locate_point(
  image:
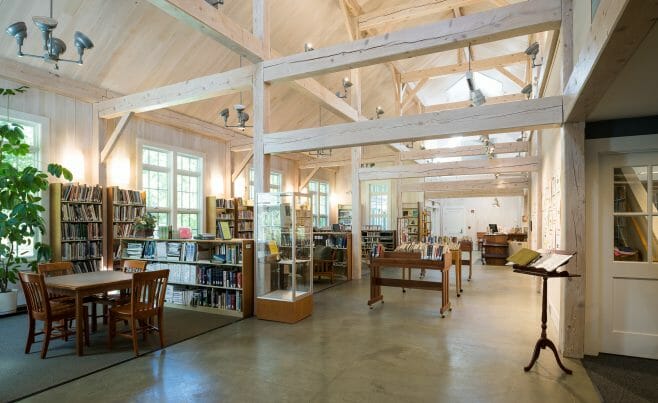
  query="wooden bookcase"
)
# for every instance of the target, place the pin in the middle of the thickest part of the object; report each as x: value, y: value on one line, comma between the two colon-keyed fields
x: 218, y: 210
x: 201, y: 283
x: 415, y: 223
x: 341, y: 242
x: 123, y: 207
x: 495, y: 249
x: 76, y: 225
x: 372, y: 235
x: 345, y: 216
x: 244, y: 220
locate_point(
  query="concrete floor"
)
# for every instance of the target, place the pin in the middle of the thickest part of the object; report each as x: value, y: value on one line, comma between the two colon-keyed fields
x: 401, y: 351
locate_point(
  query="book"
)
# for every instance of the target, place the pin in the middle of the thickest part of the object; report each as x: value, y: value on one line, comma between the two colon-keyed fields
x: 548, y: 261
x: 225, y: 230
x: 523, y: 257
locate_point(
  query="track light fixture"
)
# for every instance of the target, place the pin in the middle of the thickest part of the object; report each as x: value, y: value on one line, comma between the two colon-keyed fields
x: 308, y: 46
x: 477, y: 97
x: 379, y: 111
x: 346, y: 85
x: 54, y: 47
x: 215, y: 3
x: 243, y: 117
x: 532, y: 51
x: 527, y: 90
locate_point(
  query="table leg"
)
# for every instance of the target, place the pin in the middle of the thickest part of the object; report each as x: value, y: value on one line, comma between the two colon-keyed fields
x: 79, y: 323
x: 470, y: 264
x: 445, y: 292
x: 458, y: 264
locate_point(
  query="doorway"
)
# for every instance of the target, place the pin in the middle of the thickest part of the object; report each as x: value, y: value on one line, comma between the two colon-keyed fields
x: 629, y: 254
x: 453, y: 221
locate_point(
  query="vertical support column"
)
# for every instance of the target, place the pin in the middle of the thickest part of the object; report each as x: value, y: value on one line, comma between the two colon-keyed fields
x: 228, y: 171
x: 261, y: 95
x: 356, y: 213
x: 566, y: 40
x: 572, y: 328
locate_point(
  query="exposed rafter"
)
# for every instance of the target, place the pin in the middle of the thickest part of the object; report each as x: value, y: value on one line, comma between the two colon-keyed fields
x: 241, y: 166
x: 518, y: 183
x: 340, y: 161
x: 511, y: 116
x: 497, y: 24
x: 476, y: 65
x: 107, y: 149
x: 463, y: 151
x: 485, y: 192
x: 465, y: 104
x: 410, y: 10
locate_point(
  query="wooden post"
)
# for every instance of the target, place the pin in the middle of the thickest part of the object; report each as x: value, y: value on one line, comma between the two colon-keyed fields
x: 228, y: 183
x: 356, y: 213
x: 261, y: 95
x: 572, y: 317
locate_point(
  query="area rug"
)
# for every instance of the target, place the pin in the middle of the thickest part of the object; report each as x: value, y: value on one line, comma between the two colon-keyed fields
x: 22, y: 374
x: 621, y: 379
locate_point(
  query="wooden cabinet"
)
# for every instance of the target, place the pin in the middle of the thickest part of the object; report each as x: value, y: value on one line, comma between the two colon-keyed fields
x: 495, y: 249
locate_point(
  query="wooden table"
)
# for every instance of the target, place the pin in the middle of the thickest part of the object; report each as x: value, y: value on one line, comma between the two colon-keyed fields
x: 409, y: 259
x: 81, y: 285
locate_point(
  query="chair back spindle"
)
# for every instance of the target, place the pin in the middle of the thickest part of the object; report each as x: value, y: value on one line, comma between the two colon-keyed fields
x: 36, y: 295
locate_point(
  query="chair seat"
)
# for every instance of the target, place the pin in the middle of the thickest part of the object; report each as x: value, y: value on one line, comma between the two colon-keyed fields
x: 126, y: 309
x: 61, y: 309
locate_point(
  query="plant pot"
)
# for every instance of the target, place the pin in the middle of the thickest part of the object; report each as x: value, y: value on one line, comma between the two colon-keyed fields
x: 144, y: 233
x: 8, y: 302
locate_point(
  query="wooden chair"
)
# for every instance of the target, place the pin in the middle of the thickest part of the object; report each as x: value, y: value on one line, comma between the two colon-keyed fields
x: 41, y: 307
x: 325, y: 267
x: 147, y: 294
x: 111, y: 300
x: 57, y: 269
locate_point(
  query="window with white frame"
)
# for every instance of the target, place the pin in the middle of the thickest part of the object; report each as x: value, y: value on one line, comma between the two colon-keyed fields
x: 319, y: 191
x: 378, y: 204
x: 276, y: 183
x: 32, y: 136
x: 172, y: 182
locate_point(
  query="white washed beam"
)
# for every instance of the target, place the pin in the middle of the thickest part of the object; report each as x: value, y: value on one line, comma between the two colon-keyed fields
x: 463, y: 151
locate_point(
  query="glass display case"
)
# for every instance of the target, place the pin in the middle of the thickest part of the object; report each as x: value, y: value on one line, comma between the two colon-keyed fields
x: 284, y: 278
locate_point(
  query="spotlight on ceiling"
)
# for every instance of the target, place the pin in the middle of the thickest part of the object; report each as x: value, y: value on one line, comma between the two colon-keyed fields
x: 54, y: 47
x: 379, y: 111
x: 527, y: 91
x: 532, y: 51
x: 346, y: 85
x: 243, y: 117
x: 215, y: 3
x: 477, y: 97
x: 308, y: 46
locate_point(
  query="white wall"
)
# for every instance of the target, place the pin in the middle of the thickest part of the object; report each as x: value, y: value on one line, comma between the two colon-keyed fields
x: 479, y: 212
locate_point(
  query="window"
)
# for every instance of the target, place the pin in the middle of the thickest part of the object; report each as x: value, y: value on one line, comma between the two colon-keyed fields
x: 276, y: 181
x: 319, y: 191
x: 379, y: 204
x: 172, y: 182
x: 31, y: 131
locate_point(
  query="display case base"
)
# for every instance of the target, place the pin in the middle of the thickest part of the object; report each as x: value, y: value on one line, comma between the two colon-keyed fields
x: 284, y: 311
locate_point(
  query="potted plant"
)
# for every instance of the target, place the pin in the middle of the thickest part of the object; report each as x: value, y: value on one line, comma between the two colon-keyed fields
x: 145, y: 225
x: 20, y: 207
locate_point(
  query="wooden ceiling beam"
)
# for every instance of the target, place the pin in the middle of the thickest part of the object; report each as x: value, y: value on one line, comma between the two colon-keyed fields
x: 345, y: 161
x: 462, y: 67
x: 471, y: 167
x: 466, y: 185
x: 241, y: 166
x: 205, y: 18
x: 486, y: 192
x: 413, y: 94
x: 197, y: 89
x: 465, y: 104
x: 464, y: 151
x: 618, y: 28
x: 107, y: 148
x: 511, y: 116
x: 409, y: 11
x: 488, y: 26
x: 520, y: 83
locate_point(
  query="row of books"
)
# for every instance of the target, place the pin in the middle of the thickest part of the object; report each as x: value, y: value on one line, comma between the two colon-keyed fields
x: 82, y: 193
x: 180, y: 252
x: 123, y: 230
x: 85, y: 266
x: 73, y: 232
x: 245, y: 225
x: 81, y: 212
x: 124, y: 196
x: 196, y: 275
x: 128, y: 213
x: 224, y: 203
x: 224, y: 217
x: 246, y: 215
x: 335, y: 241
x: 81, y: 250
x: 207, y: 297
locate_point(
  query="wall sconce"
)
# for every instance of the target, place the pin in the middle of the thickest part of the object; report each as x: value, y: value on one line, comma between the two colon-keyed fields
x: 532, y: 51
x: 346, y: 85
x: 308, y: 46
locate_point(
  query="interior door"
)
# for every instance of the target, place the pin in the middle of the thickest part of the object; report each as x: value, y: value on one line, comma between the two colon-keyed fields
x: 453, y: 221
x: 629, y: 248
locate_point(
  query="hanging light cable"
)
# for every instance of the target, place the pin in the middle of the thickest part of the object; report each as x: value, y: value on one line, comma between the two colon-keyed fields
x: 477, y: 98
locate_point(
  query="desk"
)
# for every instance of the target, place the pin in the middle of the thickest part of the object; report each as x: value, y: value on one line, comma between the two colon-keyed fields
x: 409, y: 259
x: 81, y: 285
x: 544, y: 341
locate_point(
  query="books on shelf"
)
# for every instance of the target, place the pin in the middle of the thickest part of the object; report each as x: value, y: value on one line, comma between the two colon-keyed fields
x: 224, y: 204
x: 81, y: 250
x: 548, y: 261
x: 81, y: 212
x: 124, y: 196
x: 74, y: 192
x: 81, y: 231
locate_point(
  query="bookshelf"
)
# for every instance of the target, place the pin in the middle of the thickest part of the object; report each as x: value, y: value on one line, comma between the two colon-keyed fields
x: 206, y: 275
x: 124, y: 206
x: 415, y: 223
x: 345, y: 216
x: 372, y: 235
x: 341, y: 242
x: 219, y: 210
x: 244, y: 220
x: 76, y: 227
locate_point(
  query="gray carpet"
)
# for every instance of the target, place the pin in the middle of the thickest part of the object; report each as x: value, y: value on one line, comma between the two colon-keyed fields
x: 621, y: 379
x: 24, y: 374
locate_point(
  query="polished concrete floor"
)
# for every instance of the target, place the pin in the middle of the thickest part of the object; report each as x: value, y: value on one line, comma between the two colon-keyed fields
x: 401, y: 351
